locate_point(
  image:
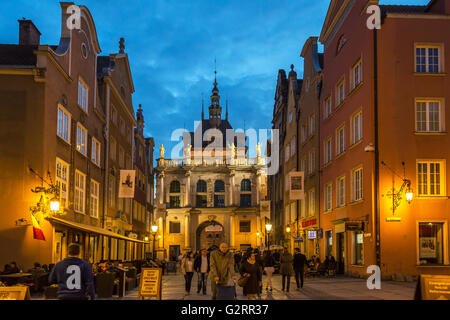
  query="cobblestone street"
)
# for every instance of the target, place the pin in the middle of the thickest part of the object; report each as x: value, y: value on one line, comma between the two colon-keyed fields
x: 339, y: 288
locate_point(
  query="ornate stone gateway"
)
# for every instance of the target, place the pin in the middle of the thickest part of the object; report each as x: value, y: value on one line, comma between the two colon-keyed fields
x: 209, y: 233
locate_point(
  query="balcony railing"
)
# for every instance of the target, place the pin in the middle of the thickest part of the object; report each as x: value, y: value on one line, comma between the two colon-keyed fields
x: 214, y: 162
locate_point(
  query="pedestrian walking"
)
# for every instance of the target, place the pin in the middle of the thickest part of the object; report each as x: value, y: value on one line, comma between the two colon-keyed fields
x: 222, y: 268
x: 299, y: 267
x: 269, y: 268
x: 237, y: 261
x: 187, y: 269
x: 201, y: 266
x: 73, y: 276
x: 252, y: 272
x: 259, y: 262
x: 286, y: 269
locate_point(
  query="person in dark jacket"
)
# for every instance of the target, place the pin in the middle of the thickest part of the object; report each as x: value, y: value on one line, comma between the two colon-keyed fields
x: 259, y: 262
x: 73, y: 276
x: 237, y: 261
x: 252, y: 271
x: 286, y: 269
x: 269, y: 268
x: 299, y: 267
x: 201, y: 266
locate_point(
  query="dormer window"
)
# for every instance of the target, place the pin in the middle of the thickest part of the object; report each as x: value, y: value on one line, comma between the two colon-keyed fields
x: 341, y: 43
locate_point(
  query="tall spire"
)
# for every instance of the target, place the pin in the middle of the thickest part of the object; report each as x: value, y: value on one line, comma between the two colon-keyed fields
x: 215, y: 110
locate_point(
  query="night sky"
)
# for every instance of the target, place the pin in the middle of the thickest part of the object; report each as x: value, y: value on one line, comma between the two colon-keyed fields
x: 172, y: 45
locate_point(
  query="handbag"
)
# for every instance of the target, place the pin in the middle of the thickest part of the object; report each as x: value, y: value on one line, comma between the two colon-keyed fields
x: 242, y: 281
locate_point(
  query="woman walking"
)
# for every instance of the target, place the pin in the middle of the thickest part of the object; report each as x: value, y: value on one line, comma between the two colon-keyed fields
x: 249, y: 269
x: 187, y: 269
x: 269, y: 268
x: 286, y: 269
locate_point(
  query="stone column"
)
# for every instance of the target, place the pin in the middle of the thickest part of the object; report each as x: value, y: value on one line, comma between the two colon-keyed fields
x: 231, y: 191
x: 232, y: 231
x: 160, y: 242
x: 187, y: 233
x: 161, y: 188
x: 187, y: 195
x: 258, y: 187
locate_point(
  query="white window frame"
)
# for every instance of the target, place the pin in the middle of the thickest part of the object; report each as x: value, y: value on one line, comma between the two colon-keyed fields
x: 340, y: 94
x: 83, y: 95
x: 357, y: 191
x: 356, y: 127
x: 442, y: 182
x: 356, y: 78
x: 312, y: 124
x: 340, y: 192
x: 327, y: 107
x: 311, y: 202
x: 112, y: 148
x: 445, y: 243
x: 427, y: 65
x: 80, y: 192
x: 328, y: 197
x: 82, y: 139
x: 95, y: 151
x: 328, y: 150
x: 62, y: 128
x: 340, y: 140
x: 441, y: 112
x: 61, y: 179
x: 112, y: 191
x: 94, y: 200
x: 312, y: 162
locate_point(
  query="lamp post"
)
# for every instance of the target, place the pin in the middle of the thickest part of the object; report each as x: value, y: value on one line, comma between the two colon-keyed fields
x: 268, y: 228
x: 154, y: 231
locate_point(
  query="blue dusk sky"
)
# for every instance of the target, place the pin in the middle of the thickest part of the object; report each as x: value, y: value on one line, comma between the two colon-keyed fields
x: 172, y: 44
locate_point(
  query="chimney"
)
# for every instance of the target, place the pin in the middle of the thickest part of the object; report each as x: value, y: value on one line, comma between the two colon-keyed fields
x: 28, y: 33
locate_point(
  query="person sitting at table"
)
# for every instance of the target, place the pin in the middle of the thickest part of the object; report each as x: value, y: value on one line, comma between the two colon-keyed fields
x: 11, y: 268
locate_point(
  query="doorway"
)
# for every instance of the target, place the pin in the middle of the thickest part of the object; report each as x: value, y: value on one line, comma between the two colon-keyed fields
x: 209, y: 234
x: 174, y: 252
x: 340, y: 252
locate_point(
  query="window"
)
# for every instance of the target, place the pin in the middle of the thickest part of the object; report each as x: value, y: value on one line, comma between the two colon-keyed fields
x: 431, y: 243
x: 328, y: 197
x: 83, y: 95
x: 63, y: 126
x: 428, y: 59
x: 219, y: 201
x: 357, y: 184
x: 312, y: 162
x: 293, y: 143
x: 358, y: 248
x: 113, y: 115
x: 246, y: 185
x: 246, y: 200
x: 80, y: 188
x: 81, y: 139
x: 174, y: 227
x: 428, y: 116
x: 312, y: 123
x: 290, y: 117
x: 329, y: 243
x: 327, y: 111
x: 287, y: 153
x: 340, y: 92
x: 95, y: 152
x: 303, y: 164
x: 340, y: 199
x: 356, y: 74
x: 94, y: 198
x: 121, y: 157
x: 201, y: 186
x: 356, y: 127
x: 312, y: 204
x: 304, y: 133
x: 62, y: 181
x: 112, y: 191
x: 219, y: 186
x: 175, y: 187
x: 202, y: 201
x: 129, y: 135
x: 112, y: 149
x: 122, y: 126
x: 431, y: 178
x: 340, y: 140
x: 175, y: 202
x: 244, y: 226
x: 327, y: 145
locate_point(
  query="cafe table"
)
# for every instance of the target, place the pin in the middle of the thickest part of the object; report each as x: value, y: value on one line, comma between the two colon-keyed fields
x: 16, y: 275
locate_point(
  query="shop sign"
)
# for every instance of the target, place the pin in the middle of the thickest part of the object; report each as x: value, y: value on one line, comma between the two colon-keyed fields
x: 433, y: 287
x: 308, y: 223
x: 339, y: 228
x: 312, y: 234
x: 150, y: 284
x: 15, y: 293
x: 354, y: 226
x: 296, y: 184
x: 298, y: 239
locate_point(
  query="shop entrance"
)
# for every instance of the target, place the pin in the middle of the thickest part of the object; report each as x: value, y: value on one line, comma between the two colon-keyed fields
x: 209, y: 233
x: 340, y: 252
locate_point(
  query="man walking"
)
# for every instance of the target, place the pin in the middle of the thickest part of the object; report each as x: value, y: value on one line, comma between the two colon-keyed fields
x: 299, y: 267
x: 222, y: 268
x: 201, y: 266
x: 73, y: 276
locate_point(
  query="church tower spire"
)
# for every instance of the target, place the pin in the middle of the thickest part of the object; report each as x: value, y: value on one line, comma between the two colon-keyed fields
x: 215, y: 110
x: 140, y: 120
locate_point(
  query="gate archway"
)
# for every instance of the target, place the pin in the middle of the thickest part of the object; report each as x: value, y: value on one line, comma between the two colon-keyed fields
x: 209, y: 234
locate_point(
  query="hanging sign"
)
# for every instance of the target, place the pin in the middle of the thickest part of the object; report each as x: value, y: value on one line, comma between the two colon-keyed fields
x: 126, y: 184
x: 150, y: 283
x: 296, y: 185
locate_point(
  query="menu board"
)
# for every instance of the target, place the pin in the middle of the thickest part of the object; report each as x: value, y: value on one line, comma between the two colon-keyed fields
x: 433, y: 287
x: 14, y: 293
x: 150, y: 284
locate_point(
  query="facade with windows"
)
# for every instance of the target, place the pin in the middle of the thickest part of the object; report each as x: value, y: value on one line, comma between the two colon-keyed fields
x: 360, y: 224
x: 203, y: 199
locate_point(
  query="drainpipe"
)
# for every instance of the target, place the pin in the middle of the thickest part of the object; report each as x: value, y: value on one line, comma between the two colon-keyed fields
x: 106, y: 162
x: 377, y: 155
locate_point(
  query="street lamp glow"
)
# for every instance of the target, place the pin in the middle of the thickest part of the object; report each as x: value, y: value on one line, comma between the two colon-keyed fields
x: 257, y: 234
x: 154, y: 228
x: 268, y: 227
x: 409, y: 195
x: 54, y: 205
x: 146, y: 238
x: 288, y: 229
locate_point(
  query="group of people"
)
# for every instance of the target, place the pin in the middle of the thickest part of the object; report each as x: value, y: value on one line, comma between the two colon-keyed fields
x: 221, y: 267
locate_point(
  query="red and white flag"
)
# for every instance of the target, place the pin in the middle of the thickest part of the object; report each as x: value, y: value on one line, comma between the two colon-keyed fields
x: 38, y: 234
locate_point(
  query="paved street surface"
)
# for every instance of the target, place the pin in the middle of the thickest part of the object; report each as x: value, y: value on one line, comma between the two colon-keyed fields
x: 339, y: 288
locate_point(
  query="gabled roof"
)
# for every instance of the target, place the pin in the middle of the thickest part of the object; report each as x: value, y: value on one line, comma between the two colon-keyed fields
x: 206, y: 125
x: 18, y: 55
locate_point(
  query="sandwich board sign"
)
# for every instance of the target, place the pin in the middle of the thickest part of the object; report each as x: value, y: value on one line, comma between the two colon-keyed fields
x: 15, y: 293
x: 150, y: 284
x: 433, y: 287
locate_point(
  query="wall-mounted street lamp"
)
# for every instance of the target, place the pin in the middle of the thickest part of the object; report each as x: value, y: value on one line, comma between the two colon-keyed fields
x: 268, y: 229
x: 154, y: 231
x: 49, y: 201
x: 288, y: 229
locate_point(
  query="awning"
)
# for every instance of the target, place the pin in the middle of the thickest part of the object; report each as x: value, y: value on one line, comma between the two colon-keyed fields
x: 92, y: 229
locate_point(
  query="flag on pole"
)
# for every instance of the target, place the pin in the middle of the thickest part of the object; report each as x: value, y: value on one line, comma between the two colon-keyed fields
x: 38, y: 234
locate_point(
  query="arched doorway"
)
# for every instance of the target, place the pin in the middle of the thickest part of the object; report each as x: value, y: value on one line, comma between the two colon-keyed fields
x: 209, y: 234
